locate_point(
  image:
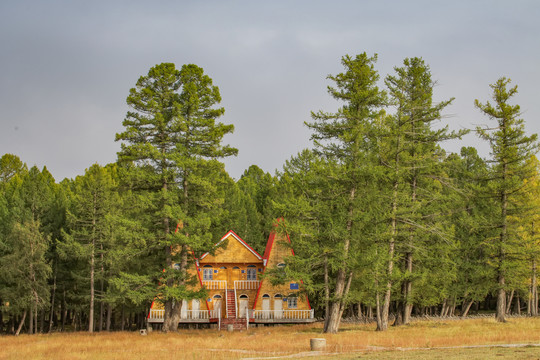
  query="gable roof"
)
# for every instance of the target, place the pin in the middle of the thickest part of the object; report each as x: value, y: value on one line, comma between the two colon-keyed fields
x: 239, y: 239
x: 271, y: 240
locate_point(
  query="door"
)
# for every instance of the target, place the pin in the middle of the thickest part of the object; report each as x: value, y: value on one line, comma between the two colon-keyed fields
x: 242, y: 306
x: 195, y: 305
x: 217, y: 306
x: 278, y: 307
x: 266, y: 307
x: 184, y: 309
x: 235, y: 274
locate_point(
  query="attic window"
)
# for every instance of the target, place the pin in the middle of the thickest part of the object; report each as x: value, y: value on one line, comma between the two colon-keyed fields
x: 281, y: 265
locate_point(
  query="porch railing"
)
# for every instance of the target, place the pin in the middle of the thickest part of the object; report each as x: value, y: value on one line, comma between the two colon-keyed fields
x: 215, y: 284
x: 246, y: 284
x: 282, y: 314
x: 186, y: 314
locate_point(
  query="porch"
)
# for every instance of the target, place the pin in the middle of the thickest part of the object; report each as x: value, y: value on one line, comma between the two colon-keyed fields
x: 186, y: 316
x: 281, y: 316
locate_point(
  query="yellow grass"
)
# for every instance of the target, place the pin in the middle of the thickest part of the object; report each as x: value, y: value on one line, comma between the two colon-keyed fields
x: 407, y: 342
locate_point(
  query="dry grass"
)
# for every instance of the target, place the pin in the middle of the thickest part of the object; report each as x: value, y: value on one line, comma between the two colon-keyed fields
x: 351, y: 342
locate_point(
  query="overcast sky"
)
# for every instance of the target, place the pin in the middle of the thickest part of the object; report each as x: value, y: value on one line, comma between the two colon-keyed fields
x: 67, y: 66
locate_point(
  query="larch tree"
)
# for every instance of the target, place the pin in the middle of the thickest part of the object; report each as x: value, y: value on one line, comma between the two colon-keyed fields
x: 346, y: 137
x: 92, y: 207
x: 174, y: 140
x: 414, y: 160
x: 511, y: 148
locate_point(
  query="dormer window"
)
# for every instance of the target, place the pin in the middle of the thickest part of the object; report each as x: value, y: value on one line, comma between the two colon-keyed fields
x: 281, y: 265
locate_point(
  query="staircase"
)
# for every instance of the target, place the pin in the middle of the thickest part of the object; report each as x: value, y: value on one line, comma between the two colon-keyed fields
x: 231, y: 304
x: 238, y: 324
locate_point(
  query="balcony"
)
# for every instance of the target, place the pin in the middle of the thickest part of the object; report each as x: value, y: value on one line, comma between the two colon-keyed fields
x: 215, y: 284
x: 246, y: 284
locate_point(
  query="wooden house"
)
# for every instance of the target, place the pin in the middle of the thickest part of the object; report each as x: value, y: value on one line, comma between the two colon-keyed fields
x: 236, y: 293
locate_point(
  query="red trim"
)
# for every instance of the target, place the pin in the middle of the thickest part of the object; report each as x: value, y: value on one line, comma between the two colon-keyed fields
x: 258, y: 291
x: 268, y: 250
x: 151, y: 306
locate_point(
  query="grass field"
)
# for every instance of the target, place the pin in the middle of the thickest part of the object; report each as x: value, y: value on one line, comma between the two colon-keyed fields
x: 449, y: 339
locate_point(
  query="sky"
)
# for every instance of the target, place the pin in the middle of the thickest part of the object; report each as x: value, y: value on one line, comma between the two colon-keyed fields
x: 67, y: 66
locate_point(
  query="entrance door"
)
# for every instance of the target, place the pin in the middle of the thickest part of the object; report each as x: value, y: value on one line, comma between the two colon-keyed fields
x: 266, y: 306
x: 242, y: 306
x: 195, y: 305
x: 235, y: 274
x: 184, y: 309
x: 217, y: 306
x: 278, y: 307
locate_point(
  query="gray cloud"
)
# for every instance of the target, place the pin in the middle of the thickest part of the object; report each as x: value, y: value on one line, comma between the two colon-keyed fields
x: 67, y: 66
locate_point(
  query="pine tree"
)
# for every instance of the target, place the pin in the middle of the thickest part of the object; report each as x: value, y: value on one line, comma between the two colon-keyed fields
x: 173, y: 140
x: 510, y: 150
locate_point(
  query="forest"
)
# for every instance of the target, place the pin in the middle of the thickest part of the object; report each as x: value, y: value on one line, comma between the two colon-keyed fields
x: 385, y: 223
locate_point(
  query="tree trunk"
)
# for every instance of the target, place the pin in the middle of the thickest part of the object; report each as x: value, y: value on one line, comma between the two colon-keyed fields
x: 31, y: 319
x: 342, y: 284
x: 501, y: 293
x: 382, y: 314
x: 53, y: 296
x: 92, y: 268
x: 509, y: 302
x: 21, y: 324
x: 532, y: 304
x: 326, y: 294
x: 465, y: 310
x: 501, y: 301
x: 109, y: 314
x: 101, y: 303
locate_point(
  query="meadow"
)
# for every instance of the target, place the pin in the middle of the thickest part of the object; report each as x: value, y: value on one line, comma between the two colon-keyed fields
x: 519, y: 338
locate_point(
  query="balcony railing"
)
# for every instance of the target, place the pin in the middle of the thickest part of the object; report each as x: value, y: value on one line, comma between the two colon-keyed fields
x: 281, y: 314
x: 246, y: 284
x: 215, y: 284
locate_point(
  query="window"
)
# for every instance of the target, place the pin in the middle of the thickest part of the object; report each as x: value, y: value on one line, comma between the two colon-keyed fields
x: 208, y: 273
x: 266, y: 296
x: 292, y: 302
x: 281, y: 265
x: 251, y: 272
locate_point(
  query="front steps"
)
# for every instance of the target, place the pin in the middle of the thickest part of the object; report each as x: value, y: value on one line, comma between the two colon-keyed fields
x: 237, y: 324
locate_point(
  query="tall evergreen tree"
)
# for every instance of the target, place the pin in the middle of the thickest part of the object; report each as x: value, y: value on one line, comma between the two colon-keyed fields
x: 511, y: 148
x: 173, y: 139
x: 414, y: 160
x: 346, y: 137
x: 92, y: 208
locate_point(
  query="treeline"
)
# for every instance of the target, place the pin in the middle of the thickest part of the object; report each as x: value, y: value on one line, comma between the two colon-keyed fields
x: 384, y: 222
